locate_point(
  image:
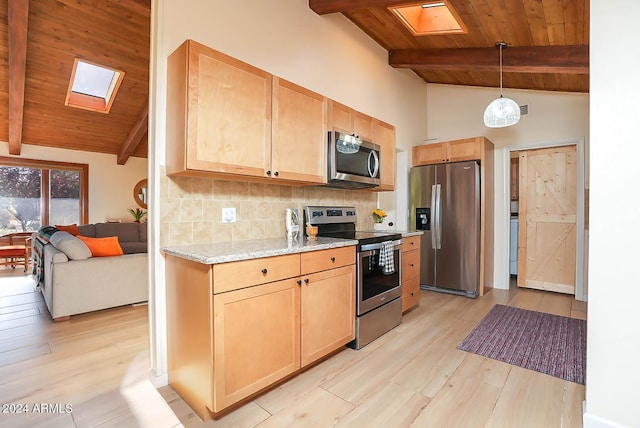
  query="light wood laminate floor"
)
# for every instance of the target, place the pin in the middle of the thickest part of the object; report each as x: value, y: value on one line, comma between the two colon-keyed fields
x: 412, y: 377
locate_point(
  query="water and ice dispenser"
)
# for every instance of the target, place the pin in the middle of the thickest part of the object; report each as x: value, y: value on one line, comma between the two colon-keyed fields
x: 423, y: 218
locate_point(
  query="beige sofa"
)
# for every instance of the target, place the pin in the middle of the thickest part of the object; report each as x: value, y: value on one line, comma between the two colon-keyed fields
x: 73, y: 285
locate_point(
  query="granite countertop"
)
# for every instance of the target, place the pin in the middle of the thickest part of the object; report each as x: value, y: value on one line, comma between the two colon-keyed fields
x: 224, y: 252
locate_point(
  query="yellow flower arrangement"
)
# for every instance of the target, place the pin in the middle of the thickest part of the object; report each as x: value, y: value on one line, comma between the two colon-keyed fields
x: 378, y: 215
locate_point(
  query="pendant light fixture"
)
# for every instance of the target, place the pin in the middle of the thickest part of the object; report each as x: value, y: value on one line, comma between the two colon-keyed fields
x: 501, y: 112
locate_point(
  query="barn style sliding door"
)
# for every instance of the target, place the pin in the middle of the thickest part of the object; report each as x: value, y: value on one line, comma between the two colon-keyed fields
x: 547, y: 233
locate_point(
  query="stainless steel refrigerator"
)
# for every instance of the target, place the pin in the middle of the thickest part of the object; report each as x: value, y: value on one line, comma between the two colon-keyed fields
x: 445, y: 205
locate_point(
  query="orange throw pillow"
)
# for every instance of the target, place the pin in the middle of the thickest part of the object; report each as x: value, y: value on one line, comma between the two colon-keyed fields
x: 72, y: 229
x: 103, y: 247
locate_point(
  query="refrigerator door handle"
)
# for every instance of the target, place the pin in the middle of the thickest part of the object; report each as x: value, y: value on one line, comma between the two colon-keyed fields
x: 439, y: 216
x: 434, y: 240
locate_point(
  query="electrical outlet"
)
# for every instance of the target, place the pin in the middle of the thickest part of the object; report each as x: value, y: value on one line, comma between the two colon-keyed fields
x: 228, y: 215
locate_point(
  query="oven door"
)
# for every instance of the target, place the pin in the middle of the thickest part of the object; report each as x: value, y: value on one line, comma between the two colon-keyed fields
x: 375, y: 288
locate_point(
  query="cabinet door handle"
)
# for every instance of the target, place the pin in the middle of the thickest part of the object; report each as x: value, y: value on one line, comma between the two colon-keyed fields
x: 269, y: 172
x: 264, y: 271
x: 333, y: 259
x: 275, y: 173
x: 411, y: 265
x: 299, y: 282
x: 306, y: 281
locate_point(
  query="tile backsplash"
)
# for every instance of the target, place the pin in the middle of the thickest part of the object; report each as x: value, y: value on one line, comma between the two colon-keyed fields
x: 191, y: 208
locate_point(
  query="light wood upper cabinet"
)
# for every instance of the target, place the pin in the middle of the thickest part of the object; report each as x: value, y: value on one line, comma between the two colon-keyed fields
x: 349, y: 121
x: 384, y: 135
x: 227, y: 119
x: 448, y: 151
x: 218, y: 114
x: 298, y: 143
x: 429, y: 154
x: 461, y: 150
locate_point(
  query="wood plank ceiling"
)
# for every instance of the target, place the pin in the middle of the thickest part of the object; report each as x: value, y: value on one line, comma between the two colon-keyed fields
x: 548, y: 42
x: 548, y: 50
x: 113, y: 33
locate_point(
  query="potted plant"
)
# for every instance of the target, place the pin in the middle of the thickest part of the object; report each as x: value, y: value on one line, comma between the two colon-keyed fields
x: 137, y: 214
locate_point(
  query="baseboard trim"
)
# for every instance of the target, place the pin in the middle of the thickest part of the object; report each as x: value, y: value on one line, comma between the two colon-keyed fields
x: 590, y: 420
x: 158, y: 380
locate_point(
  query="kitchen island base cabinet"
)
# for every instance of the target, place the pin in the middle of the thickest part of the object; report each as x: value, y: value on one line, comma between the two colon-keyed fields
x: 225, y: 347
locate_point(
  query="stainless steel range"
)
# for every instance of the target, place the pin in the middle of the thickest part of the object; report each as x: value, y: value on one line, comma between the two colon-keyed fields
x: 378, y: 289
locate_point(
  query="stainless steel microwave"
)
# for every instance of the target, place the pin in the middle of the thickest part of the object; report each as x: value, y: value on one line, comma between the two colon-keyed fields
x: 352, y: 163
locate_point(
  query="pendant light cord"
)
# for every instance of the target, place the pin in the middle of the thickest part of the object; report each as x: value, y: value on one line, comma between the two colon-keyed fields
x: 501, y: 70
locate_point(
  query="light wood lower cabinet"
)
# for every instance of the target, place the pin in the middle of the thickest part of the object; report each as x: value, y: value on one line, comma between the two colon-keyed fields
x: 328, y: 312
x: 256, y: 333
x: 228, y: 340
x: 410, y: 272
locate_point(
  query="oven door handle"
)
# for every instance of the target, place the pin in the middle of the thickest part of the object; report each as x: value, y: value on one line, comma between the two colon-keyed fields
x: 397, y: 244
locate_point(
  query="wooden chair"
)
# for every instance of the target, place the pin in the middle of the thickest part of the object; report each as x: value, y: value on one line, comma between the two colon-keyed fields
x: 15, y: 250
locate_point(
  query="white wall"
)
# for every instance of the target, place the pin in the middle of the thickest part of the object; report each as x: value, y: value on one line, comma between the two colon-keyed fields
x: 110, y: 185
x: 456, y: 112
x: 326, y: 54
x: 613, y: 338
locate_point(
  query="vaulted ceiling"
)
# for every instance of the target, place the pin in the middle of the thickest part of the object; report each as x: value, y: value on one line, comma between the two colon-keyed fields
x: 38, y: 45
x: 548, y: 42
x: 39, y: 41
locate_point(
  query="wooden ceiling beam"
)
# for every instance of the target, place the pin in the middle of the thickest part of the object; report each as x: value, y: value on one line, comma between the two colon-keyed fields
x: 323, y: 7
x: 530, y: 59
x: 135, y: 136
x: 18, y: 19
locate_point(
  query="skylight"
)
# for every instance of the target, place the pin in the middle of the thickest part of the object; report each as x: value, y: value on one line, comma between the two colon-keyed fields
x: 93, y: 87
x: 429, y: 18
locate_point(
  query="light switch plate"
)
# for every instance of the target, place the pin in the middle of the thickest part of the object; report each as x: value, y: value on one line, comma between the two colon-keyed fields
x: 228, y: 215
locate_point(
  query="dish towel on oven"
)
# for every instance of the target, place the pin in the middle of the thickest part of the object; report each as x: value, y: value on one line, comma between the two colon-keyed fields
x: 386, y: 258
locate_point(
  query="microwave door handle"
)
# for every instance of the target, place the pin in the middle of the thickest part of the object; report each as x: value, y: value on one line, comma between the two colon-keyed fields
x: 376, y: 163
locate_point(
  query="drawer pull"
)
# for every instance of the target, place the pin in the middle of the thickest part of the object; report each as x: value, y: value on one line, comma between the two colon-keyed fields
x: 333, y: 259
x: 264, y: 271
x: 412, y: 265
